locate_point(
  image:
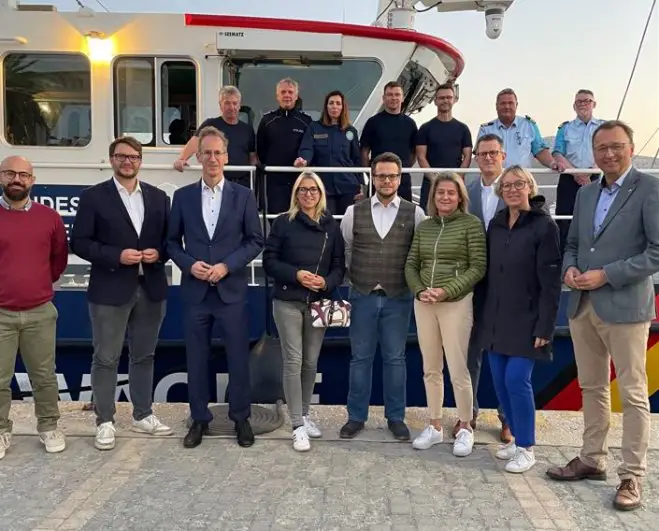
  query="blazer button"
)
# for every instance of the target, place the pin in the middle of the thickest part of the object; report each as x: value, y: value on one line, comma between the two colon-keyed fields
x: 592, y: 249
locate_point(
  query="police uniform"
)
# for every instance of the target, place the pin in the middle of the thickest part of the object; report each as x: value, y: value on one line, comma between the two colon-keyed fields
x: 522, y: 141
x: 277, y: 142
x: 574, y: 140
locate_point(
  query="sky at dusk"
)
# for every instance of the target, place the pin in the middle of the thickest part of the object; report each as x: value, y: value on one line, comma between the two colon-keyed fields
x: 548, y: 49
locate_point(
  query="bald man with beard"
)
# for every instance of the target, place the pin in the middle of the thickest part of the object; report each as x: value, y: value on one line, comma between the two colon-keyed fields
x: 33, y: 255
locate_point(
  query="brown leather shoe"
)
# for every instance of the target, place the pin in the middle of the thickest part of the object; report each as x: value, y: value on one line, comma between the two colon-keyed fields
x: 576, y: 470
x: 505, y: 434
x: 628, y: 496
x: 456, y: 428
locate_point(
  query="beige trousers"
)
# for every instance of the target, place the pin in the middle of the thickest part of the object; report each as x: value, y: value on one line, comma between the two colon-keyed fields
x: 444, y: 328
x: 595, y: 343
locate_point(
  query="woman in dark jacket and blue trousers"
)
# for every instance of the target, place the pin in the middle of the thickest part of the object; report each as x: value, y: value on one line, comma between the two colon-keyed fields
x: 305, y: 255
x: 333, y: 141
x: 523, y: 288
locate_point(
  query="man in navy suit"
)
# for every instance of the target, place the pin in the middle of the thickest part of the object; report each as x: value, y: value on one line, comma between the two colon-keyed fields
x: 219, y: 222
x: 121, y: 229
x: 484, y: 203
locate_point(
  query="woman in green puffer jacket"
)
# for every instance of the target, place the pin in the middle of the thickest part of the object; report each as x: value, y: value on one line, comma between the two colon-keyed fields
x: 446, y: 260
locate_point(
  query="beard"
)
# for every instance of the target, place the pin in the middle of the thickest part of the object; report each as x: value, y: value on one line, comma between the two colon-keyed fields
x: 15, y: 193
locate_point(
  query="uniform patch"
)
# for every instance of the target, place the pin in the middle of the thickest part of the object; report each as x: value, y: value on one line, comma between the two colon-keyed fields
x: 350, y: 135
x: 320, y: 136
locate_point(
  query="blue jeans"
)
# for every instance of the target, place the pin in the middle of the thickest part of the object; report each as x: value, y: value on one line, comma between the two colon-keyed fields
x: 375, y: 319
x: 512, y: 382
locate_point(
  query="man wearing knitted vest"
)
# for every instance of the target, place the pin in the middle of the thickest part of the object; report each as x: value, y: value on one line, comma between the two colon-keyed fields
x: 33, y: 255
x: 378, y: 233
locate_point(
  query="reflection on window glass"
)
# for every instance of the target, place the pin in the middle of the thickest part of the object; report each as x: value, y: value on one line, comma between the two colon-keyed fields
x: 47, y: 99
x: 178, y: 94
x: 134, y: 98
x: 257, y: 82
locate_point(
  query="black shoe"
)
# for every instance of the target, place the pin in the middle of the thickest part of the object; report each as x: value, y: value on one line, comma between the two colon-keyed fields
x: 350, y: 429
x: 195, y: 434
x: 244, y: 433
x: 399, y: 429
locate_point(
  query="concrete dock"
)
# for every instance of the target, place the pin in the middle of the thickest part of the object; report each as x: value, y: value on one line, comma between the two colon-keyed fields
x: 372, y: 482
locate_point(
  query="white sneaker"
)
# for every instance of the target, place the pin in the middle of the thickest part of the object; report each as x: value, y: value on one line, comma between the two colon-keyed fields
x: 105, y: 436
x: 427, y: 438
x: 312, y: 429
x: 152, y: 426
x: 522, y: 461
x: 301, y: 440
x: 53, y: 440
x: 464, y: 443
x: 506, y: 451
x: 5, y: 443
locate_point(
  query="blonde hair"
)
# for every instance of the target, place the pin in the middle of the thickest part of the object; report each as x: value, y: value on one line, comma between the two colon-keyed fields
x: 229, y: 90
x: 294, y: 209
x: 463, y: 196
x: 212, y: 131
x: 519, y: 172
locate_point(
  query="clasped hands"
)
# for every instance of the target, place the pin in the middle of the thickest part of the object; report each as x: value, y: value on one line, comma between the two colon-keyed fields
x: 432, y: 295
x: 133, y: 256
x: 311, y: 281
x: 208, y: 273
x: 589, y: 280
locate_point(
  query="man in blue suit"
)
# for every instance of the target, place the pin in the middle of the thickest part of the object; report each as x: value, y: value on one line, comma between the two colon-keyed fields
x: 219, y: 222
x: 484, y: 203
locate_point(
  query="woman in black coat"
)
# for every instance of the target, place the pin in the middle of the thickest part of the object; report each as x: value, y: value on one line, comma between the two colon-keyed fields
x: 305, y: 255
x: 523, y: 288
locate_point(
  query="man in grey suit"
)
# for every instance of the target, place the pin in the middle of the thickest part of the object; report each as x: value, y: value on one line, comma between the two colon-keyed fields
x: 484, y: 203
x: 611, y: 254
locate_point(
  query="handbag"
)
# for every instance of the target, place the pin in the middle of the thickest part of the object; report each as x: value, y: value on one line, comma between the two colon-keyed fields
x: 328, y: 313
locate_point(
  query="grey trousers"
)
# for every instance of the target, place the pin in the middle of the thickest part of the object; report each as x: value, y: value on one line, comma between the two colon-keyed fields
x: 300, y: 345
x: 474, y: 363
x: 140, y: 322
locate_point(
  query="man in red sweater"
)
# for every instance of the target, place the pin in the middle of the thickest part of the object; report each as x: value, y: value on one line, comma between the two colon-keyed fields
x: 33, y: 255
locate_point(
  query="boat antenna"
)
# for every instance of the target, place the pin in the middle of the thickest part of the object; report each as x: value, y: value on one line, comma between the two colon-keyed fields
x: 102, y: 5
x: 638, y: 53
x: 646, y: 144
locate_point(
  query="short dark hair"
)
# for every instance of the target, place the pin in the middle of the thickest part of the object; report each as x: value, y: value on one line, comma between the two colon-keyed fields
x: 129, y: 141
x: 488, y: 138
x: 506, y: 91
x: 392, y: 84
x: 387, y: 156
x: 612, y: 124
x: 585, y: 91
x: 446, y: 86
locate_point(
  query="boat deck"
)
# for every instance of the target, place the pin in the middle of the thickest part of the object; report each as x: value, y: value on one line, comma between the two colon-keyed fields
x: 372, y: 482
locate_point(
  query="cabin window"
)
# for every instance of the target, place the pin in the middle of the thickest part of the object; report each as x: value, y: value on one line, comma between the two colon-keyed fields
x: 47, y: 99
x: 356, y: 78
x: 155, y: 100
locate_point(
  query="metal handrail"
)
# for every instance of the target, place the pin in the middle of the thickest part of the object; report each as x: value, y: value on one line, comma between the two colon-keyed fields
x: 291, y: 169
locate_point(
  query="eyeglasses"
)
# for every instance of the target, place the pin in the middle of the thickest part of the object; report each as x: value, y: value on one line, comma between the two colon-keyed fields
x: 584, y: 102
x: 122, y: 157
x: 387, y: 176
x: 517, y: 185
x: 616, y: 149
x: 211, y: 154
x: 11, y: 175
x: 313, y: 190
x: 485, y: 154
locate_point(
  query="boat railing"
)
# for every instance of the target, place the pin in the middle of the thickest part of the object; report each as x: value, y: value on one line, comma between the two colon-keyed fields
x: 256, y: 264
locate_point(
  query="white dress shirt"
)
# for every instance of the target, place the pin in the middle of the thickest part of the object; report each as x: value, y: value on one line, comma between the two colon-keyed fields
x: 211, y: 202
x: 489, y: 201
x: 134, y: 203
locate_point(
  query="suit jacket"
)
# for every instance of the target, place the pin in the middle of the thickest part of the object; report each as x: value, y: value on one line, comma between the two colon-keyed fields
x: 102, y: 230
x: 476, y: 202
x: 626, y: 247
x: 237, y: 240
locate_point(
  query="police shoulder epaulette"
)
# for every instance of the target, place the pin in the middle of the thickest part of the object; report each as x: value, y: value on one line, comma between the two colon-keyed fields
x: 487, y: 124
x: 564, y: 123
x: 529, y: 118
